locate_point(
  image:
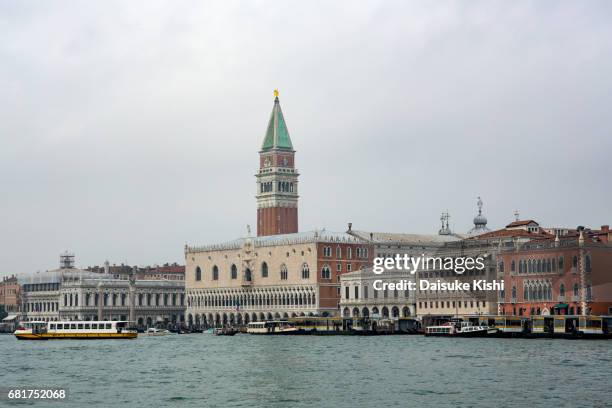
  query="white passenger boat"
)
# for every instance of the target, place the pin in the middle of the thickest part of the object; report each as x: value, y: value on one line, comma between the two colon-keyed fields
x: 459, y: 329
x: 75, y: 330
x: 276, y: 327
x: 153, y: 331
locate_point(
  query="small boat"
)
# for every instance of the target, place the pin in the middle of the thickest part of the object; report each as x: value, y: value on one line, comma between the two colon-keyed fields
x: 153, y: 331
x: 85, y: 330
x: 225, y: 331
x: 458, y: 328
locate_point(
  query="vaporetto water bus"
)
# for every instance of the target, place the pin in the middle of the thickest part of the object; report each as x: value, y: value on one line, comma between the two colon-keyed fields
x: 459, y: 328
x: 280, y: 327
x: 80, y: 330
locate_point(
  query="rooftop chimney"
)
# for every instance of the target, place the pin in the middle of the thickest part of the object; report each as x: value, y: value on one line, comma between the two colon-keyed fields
x: 350, y: 226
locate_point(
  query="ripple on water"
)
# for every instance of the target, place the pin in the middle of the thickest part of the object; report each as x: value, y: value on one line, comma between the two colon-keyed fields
x: 201, y: 370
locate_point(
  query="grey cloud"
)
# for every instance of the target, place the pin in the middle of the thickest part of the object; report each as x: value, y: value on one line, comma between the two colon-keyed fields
x: 129, y: 129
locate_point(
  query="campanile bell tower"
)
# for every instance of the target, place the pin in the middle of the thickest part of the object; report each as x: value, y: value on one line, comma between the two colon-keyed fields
x: 277, y: 180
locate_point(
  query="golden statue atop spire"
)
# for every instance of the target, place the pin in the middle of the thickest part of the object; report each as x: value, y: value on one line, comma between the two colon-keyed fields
x: 276, y: 93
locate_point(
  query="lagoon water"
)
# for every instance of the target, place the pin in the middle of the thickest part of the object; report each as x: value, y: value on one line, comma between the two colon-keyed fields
x: 202, y: 370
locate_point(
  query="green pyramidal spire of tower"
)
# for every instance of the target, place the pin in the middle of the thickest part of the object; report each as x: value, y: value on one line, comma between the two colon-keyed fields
x: 277, y: 135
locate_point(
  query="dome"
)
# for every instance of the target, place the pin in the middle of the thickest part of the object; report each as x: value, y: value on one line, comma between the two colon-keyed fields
x: 480, y: 220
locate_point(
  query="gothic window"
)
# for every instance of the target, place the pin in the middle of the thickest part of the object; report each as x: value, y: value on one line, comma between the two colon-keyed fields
x: 346, y: 292
x: 198, y: 274
x: 339, y: 267
x: 562, y: 290
x: 575, y: 261
x: 561, y: 264
x: 349, y: 253
x: 587, y: 263
x: 575, y: 289
x: 283, y: 272
x: 325, y: 272
x: 264, y: 270
x: 365, y: 292
x: 338, y: 252
x: 305, y: 271
x: 501, y: 266
x: 234, y: 272
x: 514, y: 292
x: 356, y: 292
x: 512, y: 266
x: 327, y: 251
x: 588, y: 292
x: 215, y: 273
x: 525, y: 293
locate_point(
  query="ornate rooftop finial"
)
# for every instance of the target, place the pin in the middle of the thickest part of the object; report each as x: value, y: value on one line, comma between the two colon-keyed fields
x: 444, y: 230
x: 248, y: 230
x: 480, y: 221
x: 275, y: 93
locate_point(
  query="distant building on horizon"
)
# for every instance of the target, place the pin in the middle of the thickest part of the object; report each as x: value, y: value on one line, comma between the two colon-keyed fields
x: 70, y: 293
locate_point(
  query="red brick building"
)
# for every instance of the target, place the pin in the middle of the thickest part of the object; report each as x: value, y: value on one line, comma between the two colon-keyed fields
x: 9, y: 294
x: 571, y: 274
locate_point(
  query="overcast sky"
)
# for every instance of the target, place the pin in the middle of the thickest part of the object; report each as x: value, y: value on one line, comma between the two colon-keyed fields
x: 130, y: 129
